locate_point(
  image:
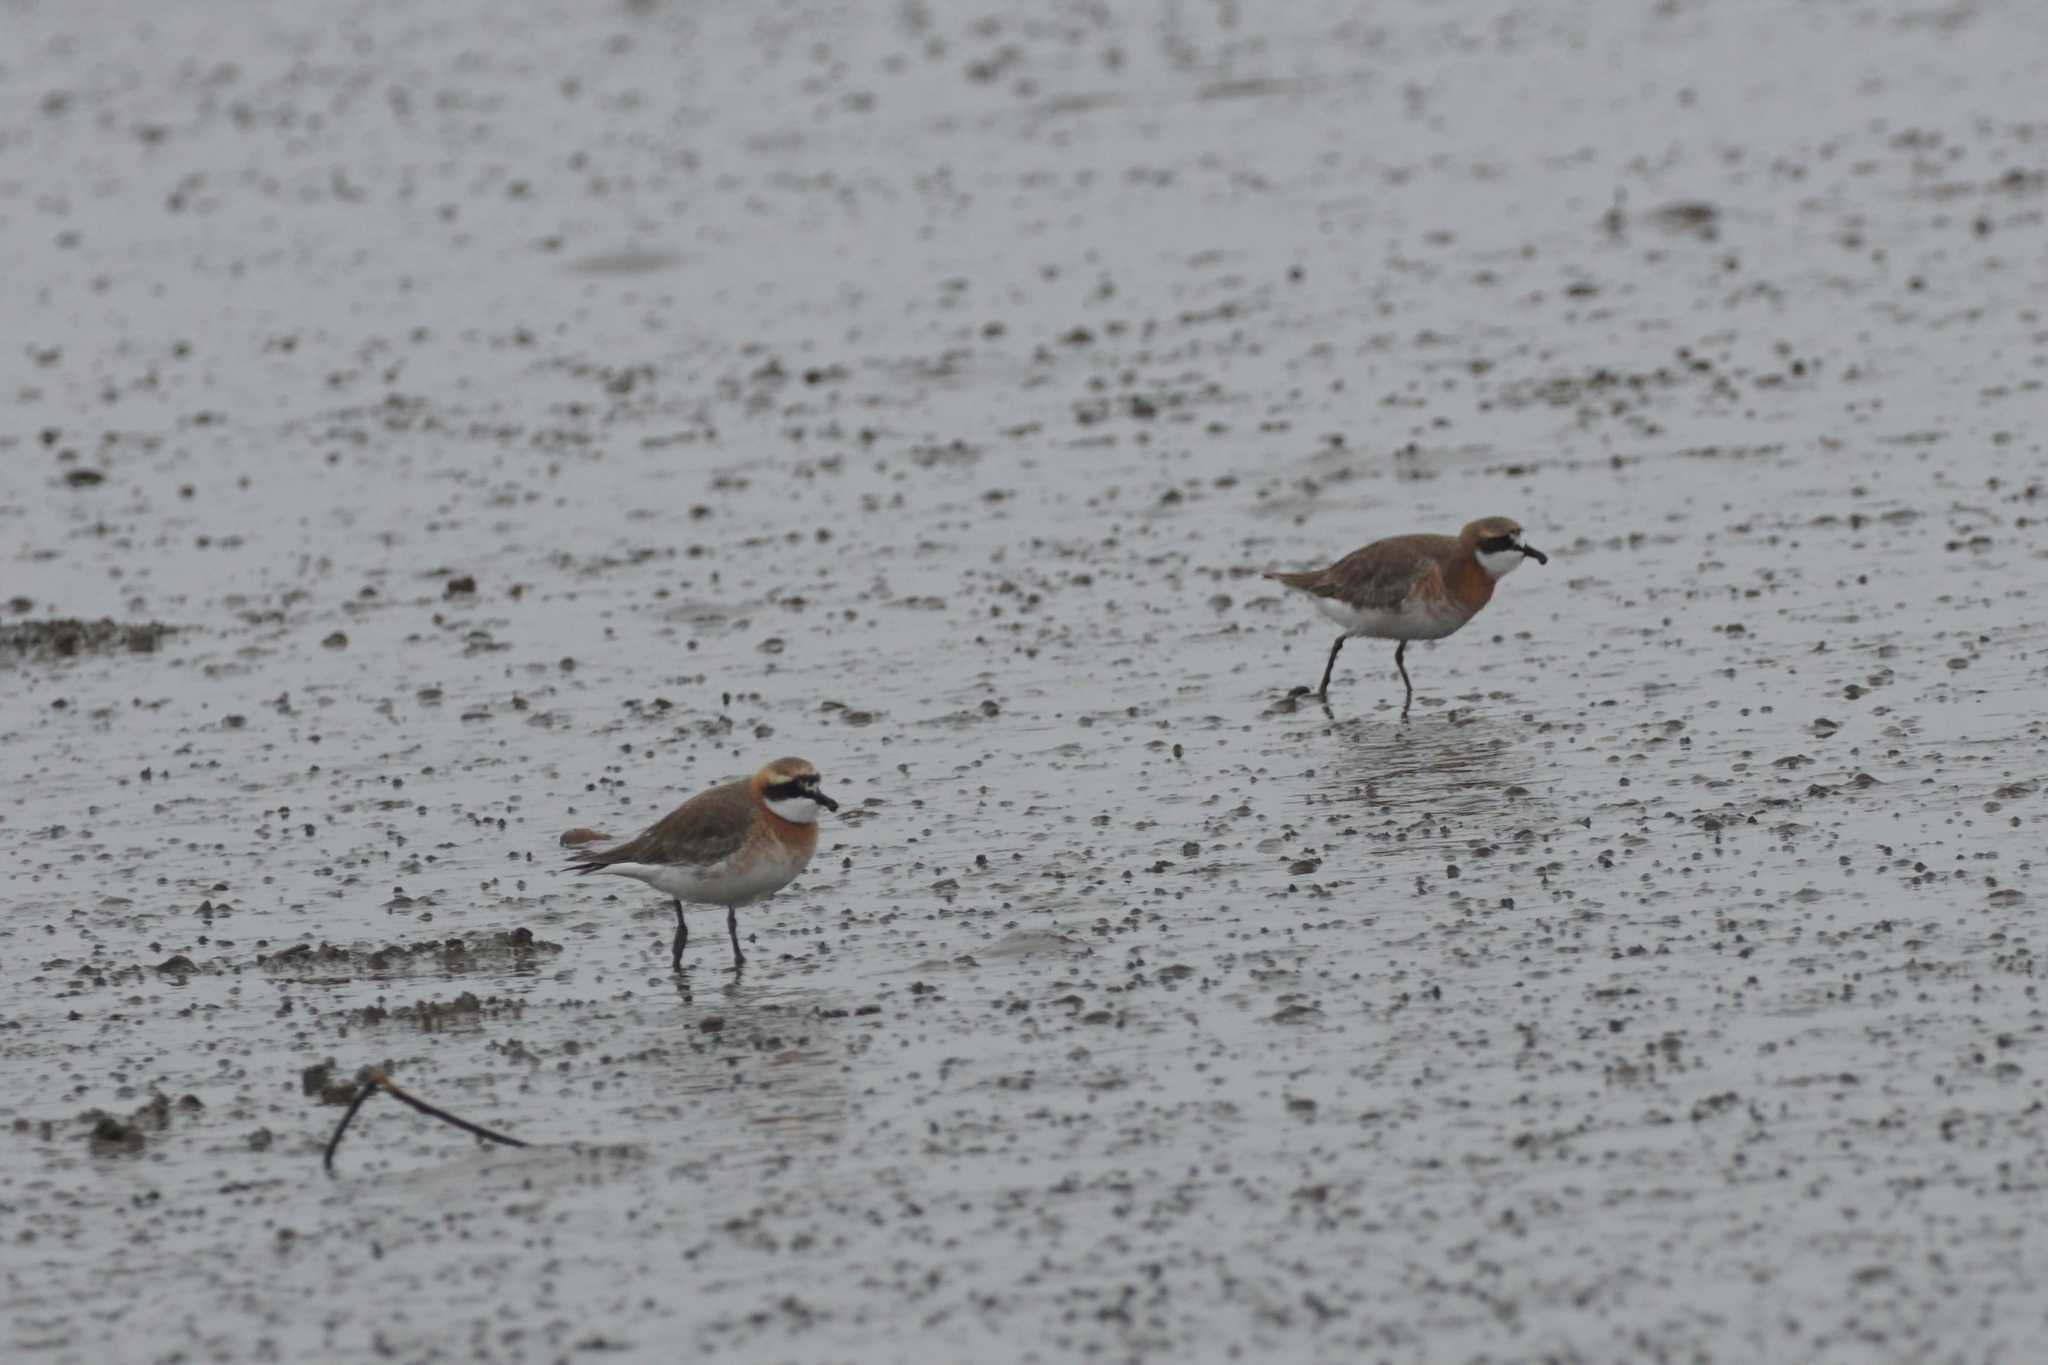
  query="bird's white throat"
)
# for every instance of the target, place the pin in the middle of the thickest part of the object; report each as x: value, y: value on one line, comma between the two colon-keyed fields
x: 798, y: 810
x: 1500, y: 563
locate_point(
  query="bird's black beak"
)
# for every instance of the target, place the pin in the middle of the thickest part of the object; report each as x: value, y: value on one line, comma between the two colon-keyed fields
x: 1529, y: 552
x: 827, y: 802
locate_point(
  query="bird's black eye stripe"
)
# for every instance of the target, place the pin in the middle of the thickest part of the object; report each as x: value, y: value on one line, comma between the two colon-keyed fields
x: 792, y: 789
x: 1494, y: 545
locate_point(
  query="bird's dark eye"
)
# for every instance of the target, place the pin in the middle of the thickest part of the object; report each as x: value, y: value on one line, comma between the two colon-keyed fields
x: 1494, y: 545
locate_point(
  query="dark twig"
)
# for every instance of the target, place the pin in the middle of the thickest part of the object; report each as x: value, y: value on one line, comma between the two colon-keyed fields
x: 363, y: 1092
x: 374, y: 1079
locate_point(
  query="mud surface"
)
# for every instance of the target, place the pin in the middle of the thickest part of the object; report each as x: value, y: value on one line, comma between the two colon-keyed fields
x: 519, y: 418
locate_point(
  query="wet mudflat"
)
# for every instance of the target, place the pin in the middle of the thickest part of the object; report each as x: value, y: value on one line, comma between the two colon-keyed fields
x: 433, y: 429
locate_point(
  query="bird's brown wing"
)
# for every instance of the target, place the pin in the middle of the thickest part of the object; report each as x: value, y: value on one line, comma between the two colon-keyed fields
x: 705, y: 829
x: 1379, y: 577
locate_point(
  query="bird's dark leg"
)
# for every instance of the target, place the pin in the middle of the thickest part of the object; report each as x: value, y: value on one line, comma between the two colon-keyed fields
x: 1399, y: 650
x: 1324, y: 690
x: 682, y: 936
x: 732, y: 926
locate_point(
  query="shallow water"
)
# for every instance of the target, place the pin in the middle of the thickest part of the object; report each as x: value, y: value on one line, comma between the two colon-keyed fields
x: 526, y: 422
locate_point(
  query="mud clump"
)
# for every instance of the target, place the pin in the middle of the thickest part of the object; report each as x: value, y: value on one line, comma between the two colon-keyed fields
x: 305, y: 954
x: 450, y: 954
x: 68, y: 637
x: 111, y: 1135
x: 318, y: 1082
x: 431, y: 1016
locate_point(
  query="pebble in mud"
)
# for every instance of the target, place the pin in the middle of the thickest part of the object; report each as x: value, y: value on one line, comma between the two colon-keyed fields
x: 1208, y: 1054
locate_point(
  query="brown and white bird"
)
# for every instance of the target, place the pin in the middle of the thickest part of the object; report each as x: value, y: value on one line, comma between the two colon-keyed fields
x: 736, y: 843
x: 1417, y: 587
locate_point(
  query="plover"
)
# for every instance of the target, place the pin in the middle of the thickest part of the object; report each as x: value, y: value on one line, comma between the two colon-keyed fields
x: 733, y: 844
x: 1419, y: 587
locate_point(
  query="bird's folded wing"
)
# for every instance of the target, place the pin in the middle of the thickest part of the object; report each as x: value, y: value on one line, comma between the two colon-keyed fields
x: 1381, y: 576
x: 708, y: 828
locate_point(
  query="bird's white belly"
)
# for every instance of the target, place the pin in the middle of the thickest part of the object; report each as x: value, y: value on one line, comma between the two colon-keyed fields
x: 715, y: 883
x: 1412, y: 620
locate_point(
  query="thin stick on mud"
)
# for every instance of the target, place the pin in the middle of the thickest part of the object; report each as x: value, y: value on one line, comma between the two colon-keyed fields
x: 374, y: 1080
